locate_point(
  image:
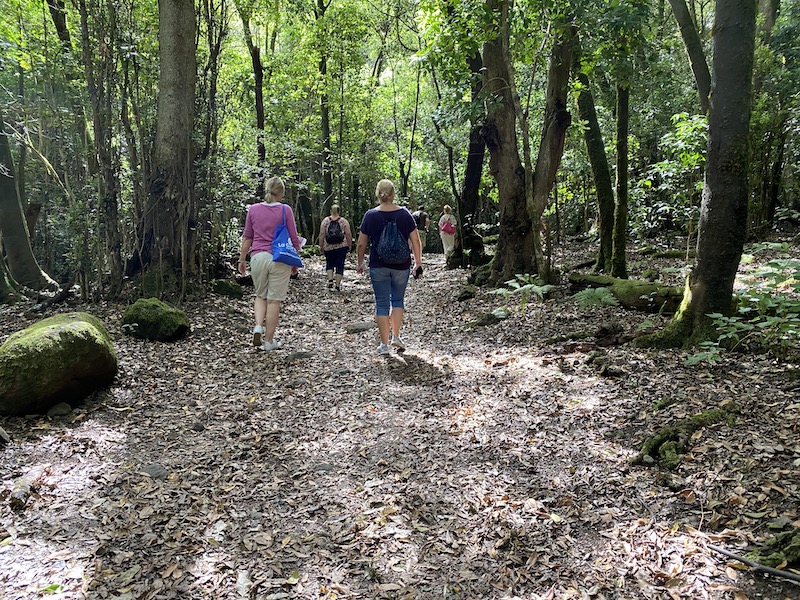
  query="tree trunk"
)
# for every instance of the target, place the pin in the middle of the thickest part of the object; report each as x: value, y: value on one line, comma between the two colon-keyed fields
x: 514, y: 253
x: 723, y: 213
x: 8, y: 292
x: 473, y: 172
x: 557, y: 120
x: 19, y: 258
x: 618, y: 264
x: 476, y: 152
x: 99, y: 87
x: 168, y: 245
x: 694, y: 49
x: 258, y: 89
x: 604, y: 191
x: 646, y: 296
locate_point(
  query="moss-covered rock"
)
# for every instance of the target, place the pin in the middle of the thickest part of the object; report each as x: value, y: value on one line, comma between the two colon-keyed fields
x: 226, y: 287
x: 152, y: 319
x: 59, y: 359
x: 467, y: 292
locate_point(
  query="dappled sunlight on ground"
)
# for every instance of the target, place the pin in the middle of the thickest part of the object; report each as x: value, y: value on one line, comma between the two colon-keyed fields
x: 484, y: 462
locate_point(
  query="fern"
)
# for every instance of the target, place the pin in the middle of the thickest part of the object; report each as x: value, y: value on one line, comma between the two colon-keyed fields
x: 600, y: 296
x: 525, y: 286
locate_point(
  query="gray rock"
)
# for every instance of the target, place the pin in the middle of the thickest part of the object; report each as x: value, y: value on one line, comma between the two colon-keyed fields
x: 156, y: 471
x: 62, y: 409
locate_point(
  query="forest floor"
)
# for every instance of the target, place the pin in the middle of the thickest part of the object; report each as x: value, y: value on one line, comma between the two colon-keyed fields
x: 484, y: 462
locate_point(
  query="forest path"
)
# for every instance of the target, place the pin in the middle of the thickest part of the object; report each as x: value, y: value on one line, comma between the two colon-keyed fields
x: 480, y: 463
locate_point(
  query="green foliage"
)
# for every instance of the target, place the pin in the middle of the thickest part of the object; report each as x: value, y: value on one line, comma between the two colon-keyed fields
x: 599, y: 296
x: 525, y: 286
x: 767, y: 318
x: 668, y: 196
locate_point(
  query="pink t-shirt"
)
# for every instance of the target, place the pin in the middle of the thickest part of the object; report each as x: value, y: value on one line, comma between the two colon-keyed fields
x: 262, y: 221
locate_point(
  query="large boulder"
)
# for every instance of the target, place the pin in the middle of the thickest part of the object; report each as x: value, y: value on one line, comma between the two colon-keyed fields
x: 152, y: 319
x: 59, y: 359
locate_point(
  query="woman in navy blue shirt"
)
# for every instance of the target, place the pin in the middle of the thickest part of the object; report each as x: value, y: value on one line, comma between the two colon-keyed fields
x: 389, y: 281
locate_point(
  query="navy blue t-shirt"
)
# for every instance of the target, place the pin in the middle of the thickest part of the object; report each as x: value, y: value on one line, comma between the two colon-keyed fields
x: 372, y: 225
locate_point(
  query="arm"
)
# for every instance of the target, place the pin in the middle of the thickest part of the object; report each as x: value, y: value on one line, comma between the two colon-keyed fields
x: 416, y: 247
x: 348, y: 235
x: 247, y: 243
x: 291, y: 226
x: 361, y: 250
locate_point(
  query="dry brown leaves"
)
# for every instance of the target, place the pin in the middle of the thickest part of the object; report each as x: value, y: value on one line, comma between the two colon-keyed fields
x: 482, y: 463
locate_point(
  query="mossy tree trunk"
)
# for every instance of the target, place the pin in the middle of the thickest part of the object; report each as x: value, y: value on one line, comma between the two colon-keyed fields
x: 596, y: 151
x: 723, y: 213
x: 8, y: 292
x: 620, y: 238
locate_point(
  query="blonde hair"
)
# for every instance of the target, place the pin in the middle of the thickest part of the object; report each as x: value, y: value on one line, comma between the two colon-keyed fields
x: 334, y: 210
x: 447, y: 209
x: 275, y: 186
x: 384, y: 191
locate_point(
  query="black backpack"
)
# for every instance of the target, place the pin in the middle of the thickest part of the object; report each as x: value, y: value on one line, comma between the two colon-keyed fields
x: 392, y: 248
x: 334, y: 233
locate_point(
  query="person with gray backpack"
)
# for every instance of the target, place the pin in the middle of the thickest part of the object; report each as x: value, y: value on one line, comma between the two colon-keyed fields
x: 391, y: 234
x: 335, y: 241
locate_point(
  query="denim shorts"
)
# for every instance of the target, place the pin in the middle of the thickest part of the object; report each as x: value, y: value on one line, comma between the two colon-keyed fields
x: 389, y: 287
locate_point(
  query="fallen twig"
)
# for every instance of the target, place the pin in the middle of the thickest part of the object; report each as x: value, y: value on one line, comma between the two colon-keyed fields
x: 756, y: 566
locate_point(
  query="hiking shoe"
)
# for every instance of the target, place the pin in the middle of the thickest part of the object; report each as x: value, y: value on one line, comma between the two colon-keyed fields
x: 383, y: 348
x: 398, y: 343
x: 268, y: 347
x: 338, y: 288
x: 330, y: 285
x: 258, y: 331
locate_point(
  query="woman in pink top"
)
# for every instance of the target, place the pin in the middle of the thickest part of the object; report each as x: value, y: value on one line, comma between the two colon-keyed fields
x: 271, y: 279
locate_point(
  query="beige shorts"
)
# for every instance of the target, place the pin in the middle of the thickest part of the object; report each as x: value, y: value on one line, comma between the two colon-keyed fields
x: 270, y: 278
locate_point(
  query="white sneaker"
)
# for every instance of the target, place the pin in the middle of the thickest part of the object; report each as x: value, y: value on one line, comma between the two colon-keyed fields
x: 398, y: 343
x: 267, y: 347
x: 383, y: 348
x: 258, y: 331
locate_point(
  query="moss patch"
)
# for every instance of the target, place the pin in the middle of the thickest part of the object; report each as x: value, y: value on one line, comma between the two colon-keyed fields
x: 226, y: 287
x: 668, y: 445
x: 783, y: 549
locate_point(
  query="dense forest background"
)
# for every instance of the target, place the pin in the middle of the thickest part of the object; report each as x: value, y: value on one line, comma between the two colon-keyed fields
x: 138, y: 132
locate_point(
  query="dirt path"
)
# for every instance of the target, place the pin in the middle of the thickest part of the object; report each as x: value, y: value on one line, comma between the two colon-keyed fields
x: 481, y: 463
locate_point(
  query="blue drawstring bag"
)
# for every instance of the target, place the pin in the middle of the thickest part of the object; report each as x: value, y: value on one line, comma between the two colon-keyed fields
x: 282, y: 248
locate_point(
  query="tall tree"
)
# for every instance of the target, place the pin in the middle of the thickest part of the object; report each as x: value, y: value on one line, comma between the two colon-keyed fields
x: 557, y: 119
x: 598, y: 161
x: 169, y: 219
x: 22, y: 265
x: 694, y: 49
x: 620, y: 238
x: 723, y: 214
x: 100, y: 85
x: 515, y: 252
x: 246, y: 10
